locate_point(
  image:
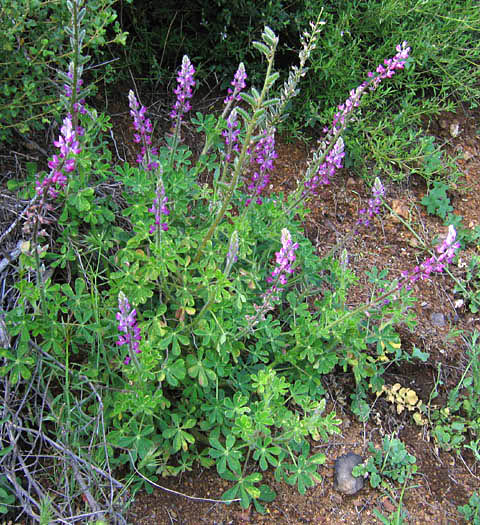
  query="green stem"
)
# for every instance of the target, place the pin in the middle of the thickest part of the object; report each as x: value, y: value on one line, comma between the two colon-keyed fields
x: 76, y: 54
x: 41, y: 283
x: 240, y: 162
x: 362, y: 308
x: 178, y: 125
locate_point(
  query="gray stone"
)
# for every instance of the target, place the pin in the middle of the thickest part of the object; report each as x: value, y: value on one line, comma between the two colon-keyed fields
x: 343, y: 480
x: 437, y: 319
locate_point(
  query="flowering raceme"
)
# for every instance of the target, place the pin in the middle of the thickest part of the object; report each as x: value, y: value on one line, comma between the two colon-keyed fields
x: 185, y: 83
x: 378, y: 192
x: 159, y: 208
x: 143, y: 128
x: 79, y: 105
x: 231, y: 134
x: 331, y: 151
x: 279, y: 276
x: 67, y: 143
x: 264, y: 155
x: 127, y: 326
x: 446, y: 251
x: 62, y: 163
x: 238, y: 84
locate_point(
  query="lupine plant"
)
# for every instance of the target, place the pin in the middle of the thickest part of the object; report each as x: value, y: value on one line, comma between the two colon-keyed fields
x: 198, y: 313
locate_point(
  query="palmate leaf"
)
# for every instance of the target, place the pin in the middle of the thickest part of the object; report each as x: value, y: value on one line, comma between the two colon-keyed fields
x: 244, y: 489
x: 265, y: 454
x: 175, y: 372
x: 181, y: 438
x: 196, y: 369
x: 304, y: 473
x: 225, y: 455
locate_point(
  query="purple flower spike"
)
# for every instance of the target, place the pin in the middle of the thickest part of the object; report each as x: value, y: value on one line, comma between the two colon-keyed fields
x: 127, y: 326
x: 333, y: 159
x: 143, y: 128
x: 185, y: 83
x: 159, y: 208
x: 263, y: 155
x: 387, y: 70
x: 326, y: 170
x: 279, y: 276
x: 231, y: 134
x: 378, y: 191
x: 446, y: 251
x: 238, y: 85
x: 62, y: 163
x: 79, y: 106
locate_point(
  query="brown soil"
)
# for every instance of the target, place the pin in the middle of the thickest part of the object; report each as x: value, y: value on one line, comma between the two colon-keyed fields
x: 444, y: 480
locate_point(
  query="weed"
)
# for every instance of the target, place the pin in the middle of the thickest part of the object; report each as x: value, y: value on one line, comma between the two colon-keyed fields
x: 471, y: 510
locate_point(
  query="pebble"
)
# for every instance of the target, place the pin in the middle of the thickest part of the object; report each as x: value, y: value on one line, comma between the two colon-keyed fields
x: 437, y: 319
x: 455, y: 129
x: 343, y: 480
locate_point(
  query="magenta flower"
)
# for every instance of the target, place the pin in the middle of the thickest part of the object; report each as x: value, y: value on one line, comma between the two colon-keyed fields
x: 185, y: 83
x: 264, y: 154
x: 378, y: 192
x: 127, y: 326
x: 279, y: 276
x: 387, y: 70
x: 238, y: 84
x: 62, y: 163
x: 284, y: 258
x: 446, y: 251
x: 331, y: 144
x: 79, y: 106
x: 326, y: 170
x: 143, y: 128
x: 159, y: 208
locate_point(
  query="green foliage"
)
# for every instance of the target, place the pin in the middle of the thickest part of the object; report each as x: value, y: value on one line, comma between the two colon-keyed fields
x: 469, y: 286
x: 471, y: 510
x: 437, y: 200
x: 160, y: 33
x: 444, y: 63
x: 390, y: 463
x: 7, y: 496
x: 459, y: 420
x: 33, y: 48
x: 230, y: 370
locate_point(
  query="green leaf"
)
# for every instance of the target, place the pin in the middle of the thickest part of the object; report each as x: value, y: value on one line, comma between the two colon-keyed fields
x: 267, y: 493
x: 418, y: 354
x: 262, y: 48
x: 249, y: 99
x: 317, y: 459
x: 375, y: 480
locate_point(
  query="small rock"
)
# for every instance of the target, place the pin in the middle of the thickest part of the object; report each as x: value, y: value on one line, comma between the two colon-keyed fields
x: 454, y: 129
x: 437, y: 319
x: 343, y: 480
x: 467, y: 155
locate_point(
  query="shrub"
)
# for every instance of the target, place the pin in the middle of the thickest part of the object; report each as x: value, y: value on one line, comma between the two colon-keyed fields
x: 34, y: 48
x: 172, y: 323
